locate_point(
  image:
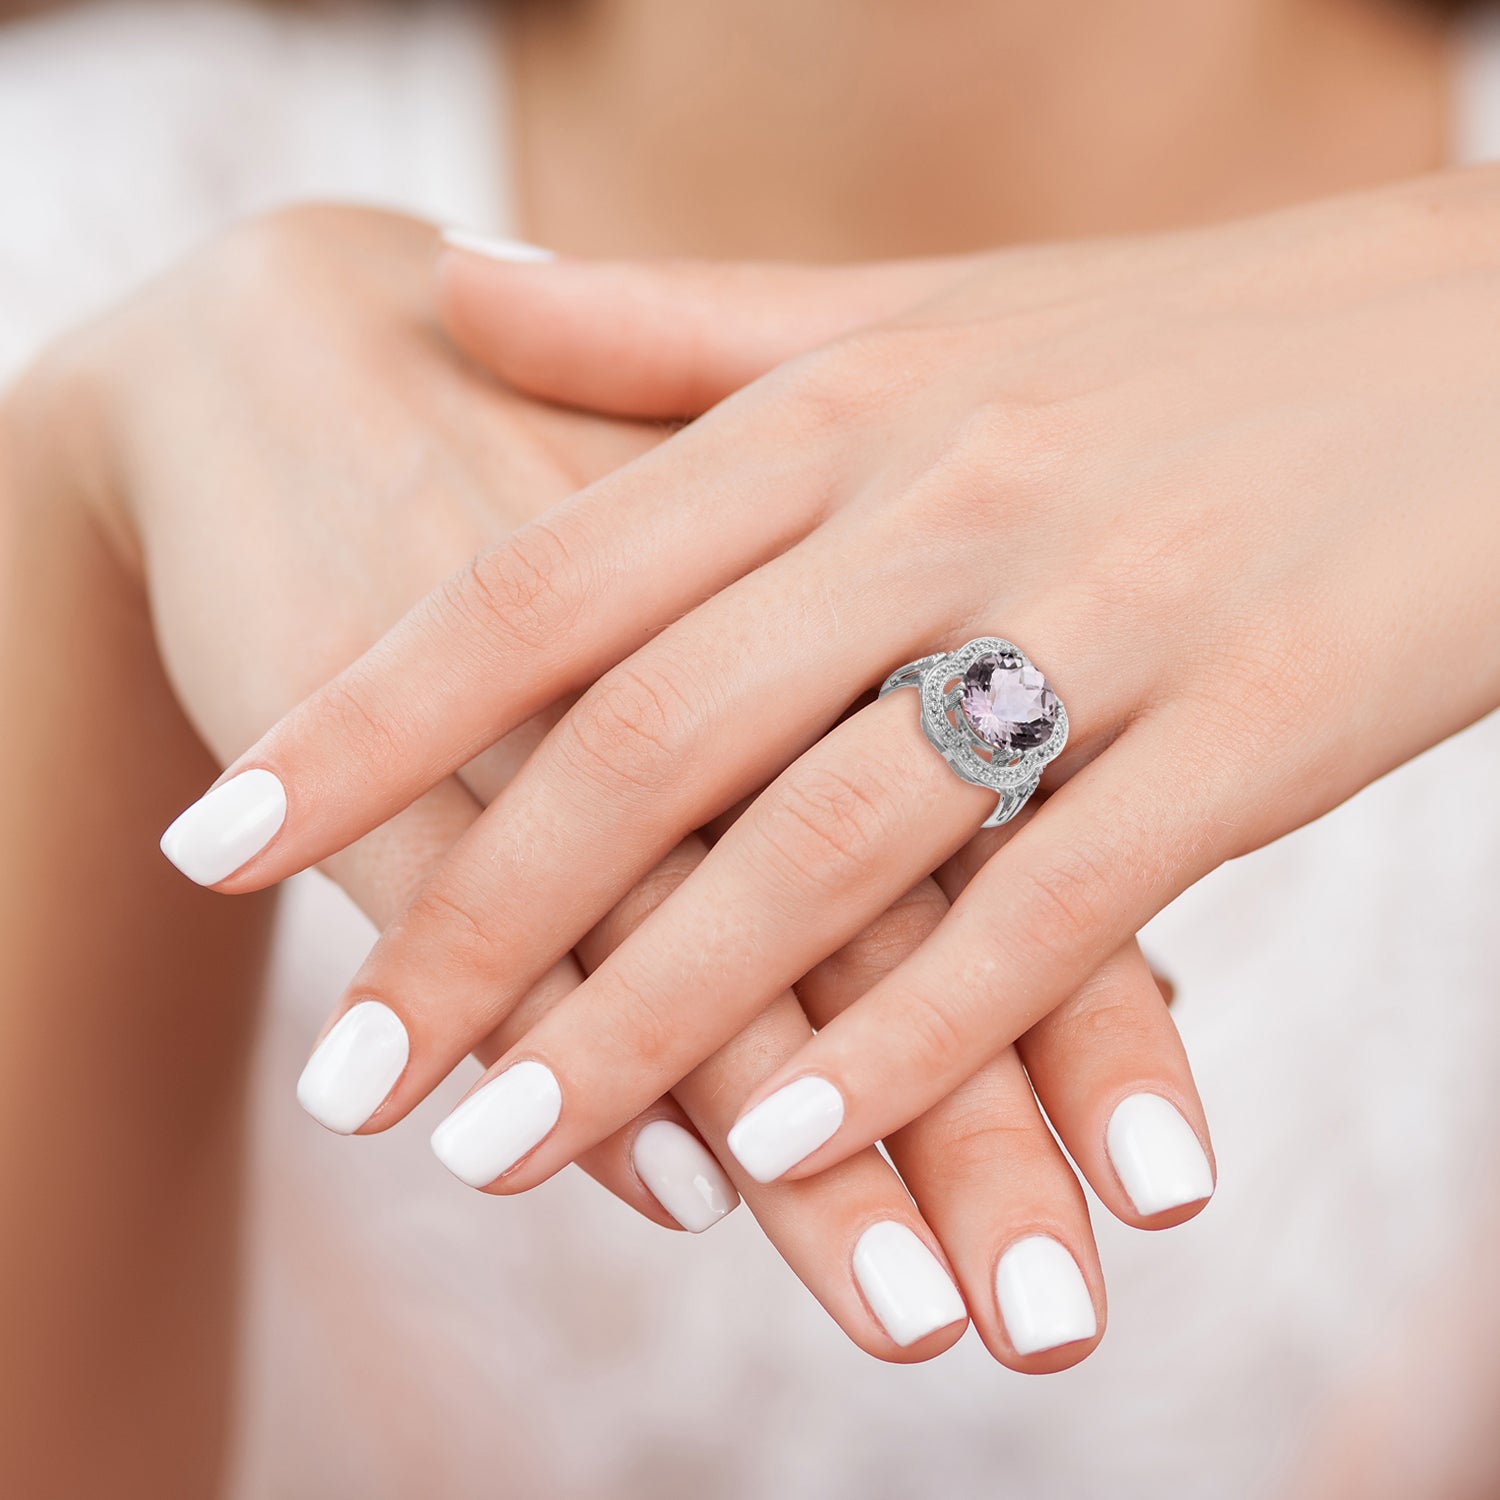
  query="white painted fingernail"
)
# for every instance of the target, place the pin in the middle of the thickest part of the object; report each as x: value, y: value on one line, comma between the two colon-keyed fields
x: 781, y: 1130
x: 904, y: 1283
x: 355, y: 1066
x: 1042, y: 1295
x: 682, y: 1175
x: 226, y: 826
x: 493, y: 1129
x: 1157, y: 1155
x: 515, y: 252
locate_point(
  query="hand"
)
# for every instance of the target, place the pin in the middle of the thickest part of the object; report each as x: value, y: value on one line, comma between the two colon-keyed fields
x: 1187, y: 475
x: 286, y: 458
x: 1227, y: 429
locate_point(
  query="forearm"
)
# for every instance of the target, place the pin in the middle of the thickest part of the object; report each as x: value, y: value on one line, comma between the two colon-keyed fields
x: 125, y: 1008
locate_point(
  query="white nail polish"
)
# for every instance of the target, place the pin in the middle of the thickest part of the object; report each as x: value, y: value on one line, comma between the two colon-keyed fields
x: 682, y: 1175
x: 493, y: 1129
x: 904, y: 1283
x: 355, y: 1066
x: 514, y: 252
x: 781, y: 1130
x: 1043, y: 1297
x: 226, y: 826
x: 1157, y: 1155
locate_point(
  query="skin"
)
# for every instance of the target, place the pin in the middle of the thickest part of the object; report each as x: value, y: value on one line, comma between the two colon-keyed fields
x: 1373, y: 97
x: 1183, y: 404
x: 178, y: 537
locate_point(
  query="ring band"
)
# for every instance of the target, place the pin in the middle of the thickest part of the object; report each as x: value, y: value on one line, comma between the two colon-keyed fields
x: 991, y: 715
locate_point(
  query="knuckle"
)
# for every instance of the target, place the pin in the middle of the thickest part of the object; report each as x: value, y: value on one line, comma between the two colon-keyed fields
x: 443, y: 919
x: 890, y: 939
x: 825, y: 826
x: 643, y: 1024
x: 1102, y: 1019
x: 648, y: 894
x: 1011, y: 446
x: 933, y: 1036
x: 977, y: 1138
x: 1065, y: 898
x: 851, y: 381
x: 346, y: 706
x: 520, y: 595
x: 636, y: 726
x: 266, y: 262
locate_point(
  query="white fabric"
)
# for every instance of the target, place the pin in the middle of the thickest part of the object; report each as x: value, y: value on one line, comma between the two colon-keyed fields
x: 409, y: 1337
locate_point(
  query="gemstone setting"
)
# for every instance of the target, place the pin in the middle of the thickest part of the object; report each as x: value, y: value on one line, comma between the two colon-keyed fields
x: 1008, y: 704
x: 940, y: 679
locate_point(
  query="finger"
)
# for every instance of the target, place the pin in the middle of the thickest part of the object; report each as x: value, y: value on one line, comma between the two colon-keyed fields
x: 660, y: 338
x: 545, y: 614
x: 657, y: 1164
x: 852, y: 1235
x: 379, y: 874
x: 1100, y: 857
x: 1112, y: 1071
x: 1113, y: 1076
x: 827, y: 848
x: 985, y: 1172
x: 643, y: 759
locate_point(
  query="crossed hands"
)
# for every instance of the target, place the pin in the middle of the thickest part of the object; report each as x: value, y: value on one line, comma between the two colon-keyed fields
x: 616, y: 792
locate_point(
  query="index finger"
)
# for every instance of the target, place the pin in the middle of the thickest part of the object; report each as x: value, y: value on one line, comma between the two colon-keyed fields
x: 543, y: 614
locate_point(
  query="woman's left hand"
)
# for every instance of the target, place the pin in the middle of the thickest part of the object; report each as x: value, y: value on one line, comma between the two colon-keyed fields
x: 1234, y: 492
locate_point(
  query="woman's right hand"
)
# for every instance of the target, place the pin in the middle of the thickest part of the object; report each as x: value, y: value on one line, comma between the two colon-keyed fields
x: 280, y: 446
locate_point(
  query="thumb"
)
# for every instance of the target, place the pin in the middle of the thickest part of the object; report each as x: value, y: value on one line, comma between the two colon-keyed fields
x: 665, y: 338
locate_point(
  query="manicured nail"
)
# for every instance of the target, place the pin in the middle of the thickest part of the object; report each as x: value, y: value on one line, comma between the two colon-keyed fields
x: 355, y: 1066
x: 682, y: 1175
x: 516, y: 252
x: 904, y: 1283
x: 226, y: 826
x: 781, y: 1130
x: 1157, y: 1155
x: 493, y: 1129
x: 1043, y: 1297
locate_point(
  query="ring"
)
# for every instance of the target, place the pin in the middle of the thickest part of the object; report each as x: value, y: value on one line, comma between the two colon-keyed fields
x: 991, y: 715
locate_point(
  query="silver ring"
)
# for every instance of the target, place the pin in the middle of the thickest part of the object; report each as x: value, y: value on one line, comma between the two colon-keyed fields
x: 991, y: 715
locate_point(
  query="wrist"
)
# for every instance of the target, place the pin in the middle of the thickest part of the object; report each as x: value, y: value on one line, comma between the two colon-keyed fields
x: 56, y: 425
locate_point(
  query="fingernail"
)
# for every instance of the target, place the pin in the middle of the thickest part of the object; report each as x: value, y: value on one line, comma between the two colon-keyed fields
x: 226, y: 826
x: 515, y: 252
x: 354, y: 1067
x: 1156, y: 1155
x: 781, y: 1130
x: 906, y: 1286
x: 492, y: 1130
x: 1043, y: 1297
x: 682, y: 1175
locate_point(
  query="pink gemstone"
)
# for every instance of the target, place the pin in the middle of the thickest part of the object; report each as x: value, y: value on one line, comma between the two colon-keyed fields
x: 1008, y: 704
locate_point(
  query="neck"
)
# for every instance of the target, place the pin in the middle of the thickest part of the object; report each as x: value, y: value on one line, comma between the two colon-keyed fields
x: 844, y: 130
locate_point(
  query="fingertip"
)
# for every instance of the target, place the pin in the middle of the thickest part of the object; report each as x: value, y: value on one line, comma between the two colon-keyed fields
x: 353, y: 1069
x: 226, y: 828
x: 675, y: 1167
x: 1167, y: 1218
x: 499, y: 249
x: 1159, y: 1160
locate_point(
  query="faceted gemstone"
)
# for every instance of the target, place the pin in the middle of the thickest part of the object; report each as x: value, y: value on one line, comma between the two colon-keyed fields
x: 1008, y: 704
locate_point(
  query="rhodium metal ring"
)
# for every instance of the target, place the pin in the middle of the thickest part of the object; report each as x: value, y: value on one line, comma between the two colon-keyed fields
x: 991, y: 715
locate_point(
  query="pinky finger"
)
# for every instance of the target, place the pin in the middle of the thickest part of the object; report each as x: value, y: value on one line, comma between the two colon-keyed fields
x: 1112, y: 1073
x: 987, y: 1175
x: 657, y: 1164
